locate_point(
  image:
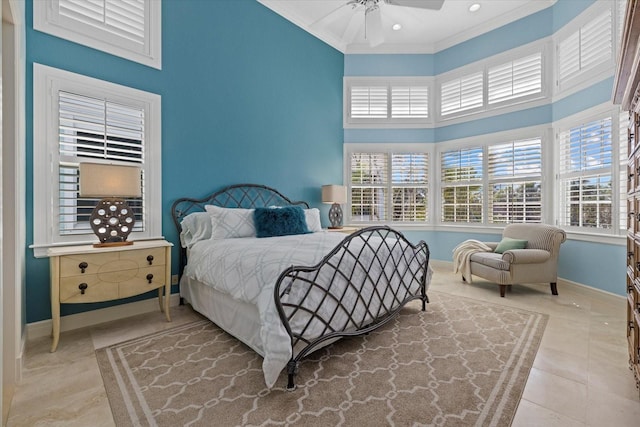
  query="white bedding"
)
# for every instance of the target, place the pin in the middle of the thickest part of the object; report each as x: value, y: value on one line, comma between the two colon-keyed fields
x: 247, y: 269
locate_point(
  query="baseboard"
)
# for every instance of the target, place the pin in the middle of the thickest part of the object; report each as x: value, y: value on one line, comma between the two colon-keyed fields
x: 95, y: 317
x: 449, y: 264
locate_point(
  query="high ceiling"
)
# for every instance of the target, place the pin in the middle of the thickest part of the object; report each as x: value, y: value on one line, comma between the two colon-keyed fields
x: 341, y: 23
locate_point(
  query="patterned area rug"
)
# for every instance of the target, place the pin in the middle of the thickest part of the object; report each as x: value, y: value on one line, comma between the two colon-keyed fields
x: 460, y: 363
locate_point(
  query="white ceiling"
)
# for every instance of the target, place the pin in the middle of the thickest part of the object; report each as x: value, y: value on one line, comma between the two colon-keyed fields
x: 423, y: 31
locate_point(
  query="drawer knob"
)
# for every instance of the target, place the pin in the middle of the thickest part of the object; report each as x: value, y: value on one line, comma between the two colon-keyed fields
x: 150, y: 259
x: 83, y: 266
x: 150, y: 277
x: 630, y: 254
x: 83, y: 287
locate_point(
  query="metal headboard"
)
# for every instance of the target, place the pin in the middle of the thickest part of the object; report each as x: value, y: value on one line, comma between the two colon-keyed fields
x: 246, y: 196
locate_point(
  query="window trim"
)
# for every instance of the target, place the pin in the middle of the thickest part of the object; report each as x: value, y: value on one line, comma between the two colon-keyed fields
x: 388, y: 122
x: 389, y: 148
x: 593, y: 114
x: 47, y: 20
x: 46, y: 82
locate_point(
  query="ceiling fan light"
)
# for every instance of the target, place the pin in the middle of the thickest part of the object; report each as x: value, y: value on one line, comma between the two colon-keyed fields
x: 474, y: 7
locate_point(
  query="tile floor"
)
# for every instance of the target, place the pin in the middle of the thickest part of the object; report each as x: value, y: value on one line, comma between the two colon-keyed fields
x: 580, y: 376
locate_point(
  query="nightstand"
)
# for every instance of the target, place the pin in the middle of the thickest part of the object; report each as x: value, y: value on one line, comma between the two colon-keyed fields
x: 83, y: 274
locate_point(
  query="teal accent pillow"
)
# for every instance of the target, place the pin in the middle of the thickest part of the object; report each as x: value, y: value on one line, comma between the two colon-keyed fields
x: 507, y: 243
x: 284, y: 221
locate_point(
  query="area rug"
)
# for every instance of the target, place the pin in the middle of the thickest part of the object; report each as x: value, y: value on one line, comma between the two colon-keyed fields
x: 461, y: 362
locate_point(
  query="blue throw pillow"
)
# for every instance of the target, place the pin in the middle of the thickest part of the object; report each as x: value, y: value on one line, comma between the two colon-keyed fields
x: 283, y: 221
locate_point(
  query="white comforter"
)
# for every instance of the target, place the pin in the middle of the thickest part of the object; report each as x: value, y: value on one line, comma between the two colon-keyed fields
x: 248, y: 268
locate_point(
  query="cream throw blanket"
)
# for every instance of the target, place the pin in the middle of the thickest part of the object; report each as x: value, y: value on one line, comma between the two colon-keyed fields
x: 462, y: 256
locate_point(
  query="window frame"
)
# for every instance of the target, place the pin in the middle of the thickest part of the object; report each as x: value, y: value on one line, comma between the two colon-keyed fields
x: 617, y: 171
x: 48, y: 82
x: 389, y: 149
x: 389, y: 83
x: 46, y: 18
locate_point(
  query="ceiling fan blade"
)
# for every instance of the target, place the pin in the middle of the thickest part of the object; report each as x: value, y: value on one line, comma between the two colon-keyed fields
x: 330, y: 16
x: 373, y: 27
x: 419, y: 4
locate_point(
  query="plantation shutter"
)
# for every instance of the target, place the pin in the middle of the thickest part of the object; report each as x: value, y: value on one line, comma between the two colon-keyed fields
x: 409, y: 186
x: 126, y: 20
x: 461, y: 184
x: 410, y: 102
x: 90, y: 130
x: 369, y: 181
x: 515, y: 79
x: 461, y: 94
x: 591, y: 45
x: 585, y: 173
x: 515, y: 178
x: 369, y: 102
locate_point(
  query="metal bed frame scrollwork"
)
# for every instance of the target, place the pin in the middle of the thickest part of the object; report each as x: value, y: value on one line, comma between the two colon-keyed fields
x: 374, y: 272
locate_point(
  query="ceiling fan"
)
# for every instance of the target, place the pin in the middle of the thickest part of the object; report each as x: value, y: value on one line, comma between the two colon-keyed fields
x: 373, y: 31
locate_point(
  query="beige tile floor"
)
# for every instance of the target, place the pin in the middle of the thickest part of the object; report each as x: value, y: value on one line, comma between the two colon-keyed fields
x: 580, y: 376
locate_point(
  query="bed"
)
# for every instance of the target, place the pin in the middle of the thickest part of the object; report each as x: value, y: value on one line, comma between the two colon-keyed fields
x: 290, y: 294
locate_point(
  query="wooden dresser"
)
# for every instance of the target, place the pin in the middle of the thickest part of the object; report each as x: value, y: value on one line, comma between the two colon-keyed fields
x: 84, y: 274
x: 626, y: 92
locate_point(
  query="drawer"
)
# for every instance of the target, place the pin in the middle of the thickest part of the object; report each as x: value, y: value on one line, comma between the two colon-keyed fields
x: 138, y: 283
x: 96, y: 290
x: 107, y: 262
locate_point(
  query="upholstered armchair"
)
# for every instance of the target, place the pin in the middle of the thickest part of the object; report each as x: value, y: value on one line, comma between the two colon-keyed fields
x: 536, y: 262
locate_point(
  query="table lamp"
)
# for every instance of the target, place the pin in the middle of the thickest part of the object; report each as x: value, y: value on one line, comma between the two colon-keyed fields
x: 336, y: 195
x: 112, y: 220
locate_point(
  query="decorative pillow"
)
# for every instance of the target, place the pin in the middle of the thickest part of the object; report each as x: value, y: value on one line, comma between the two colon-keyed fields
x: 507, y: 243
x: 230, y: 223
x: 283, y: 221
x: 313, y: 219
x: 195, y: 227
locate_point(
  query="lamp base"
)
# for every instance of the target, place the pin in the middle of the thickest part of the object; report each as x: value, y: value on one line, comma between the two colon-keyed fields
x: 335, y: 216
x: 110, y: 244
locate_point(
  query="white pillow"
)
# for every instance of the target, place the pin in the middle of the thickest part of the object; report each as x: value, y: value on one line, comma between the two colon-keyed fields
x: 313, y: 219
x: 229, y: 223
x: 195, y: 227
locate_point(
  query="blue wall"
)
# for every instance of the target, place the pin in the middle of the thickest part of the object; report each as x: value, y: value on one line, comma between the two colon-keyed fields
x: 246, y: 97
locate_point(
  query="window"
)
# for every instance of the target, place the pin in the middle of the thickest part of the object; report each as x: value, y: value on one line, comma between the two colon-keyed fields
x: 463, y: 94
x: 586, y: 48
x: 130, y: 29
x: 389, y: 186
x: 515, y: 79
x: 515, y: 181
x: 78, y: 119
x: 585, y: 175
x: 461, y: 185
x: 399, y: 101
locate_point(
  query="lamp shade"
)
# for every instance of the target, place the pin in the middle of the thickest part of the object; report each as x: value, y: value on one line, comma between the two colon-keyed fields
x: 104, y: 180
x: 334, y: 194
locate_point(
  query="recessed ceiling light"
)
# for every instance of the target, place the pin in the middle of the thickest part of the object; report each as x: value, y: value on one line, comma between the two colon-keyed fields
x: 396, y: 27
x: 474, y: 7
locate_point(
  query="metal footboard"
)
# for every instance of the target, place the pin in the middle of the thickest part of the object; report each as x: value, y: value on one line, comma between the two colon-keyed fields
x: 359, y: 286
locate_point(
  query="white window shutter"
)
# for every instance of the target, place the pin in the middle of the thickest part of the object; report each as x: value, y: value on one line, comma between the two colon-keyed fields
x: 515, y: 79
x: 461, y: 185
x: 369, y: 181
x: 125, y: 19
x: 585, y: 185
x: 458, y: 95
x: 93, y: 129
x: 369, y: 102
x: 409, y: 186
x: 410, y: 102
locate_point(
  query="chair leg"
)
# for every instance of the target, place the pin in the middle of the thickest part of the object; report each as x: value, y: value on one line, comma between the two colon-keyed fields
x: 464, y: 279
x: 503, y: 288
x: 554, y: 288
